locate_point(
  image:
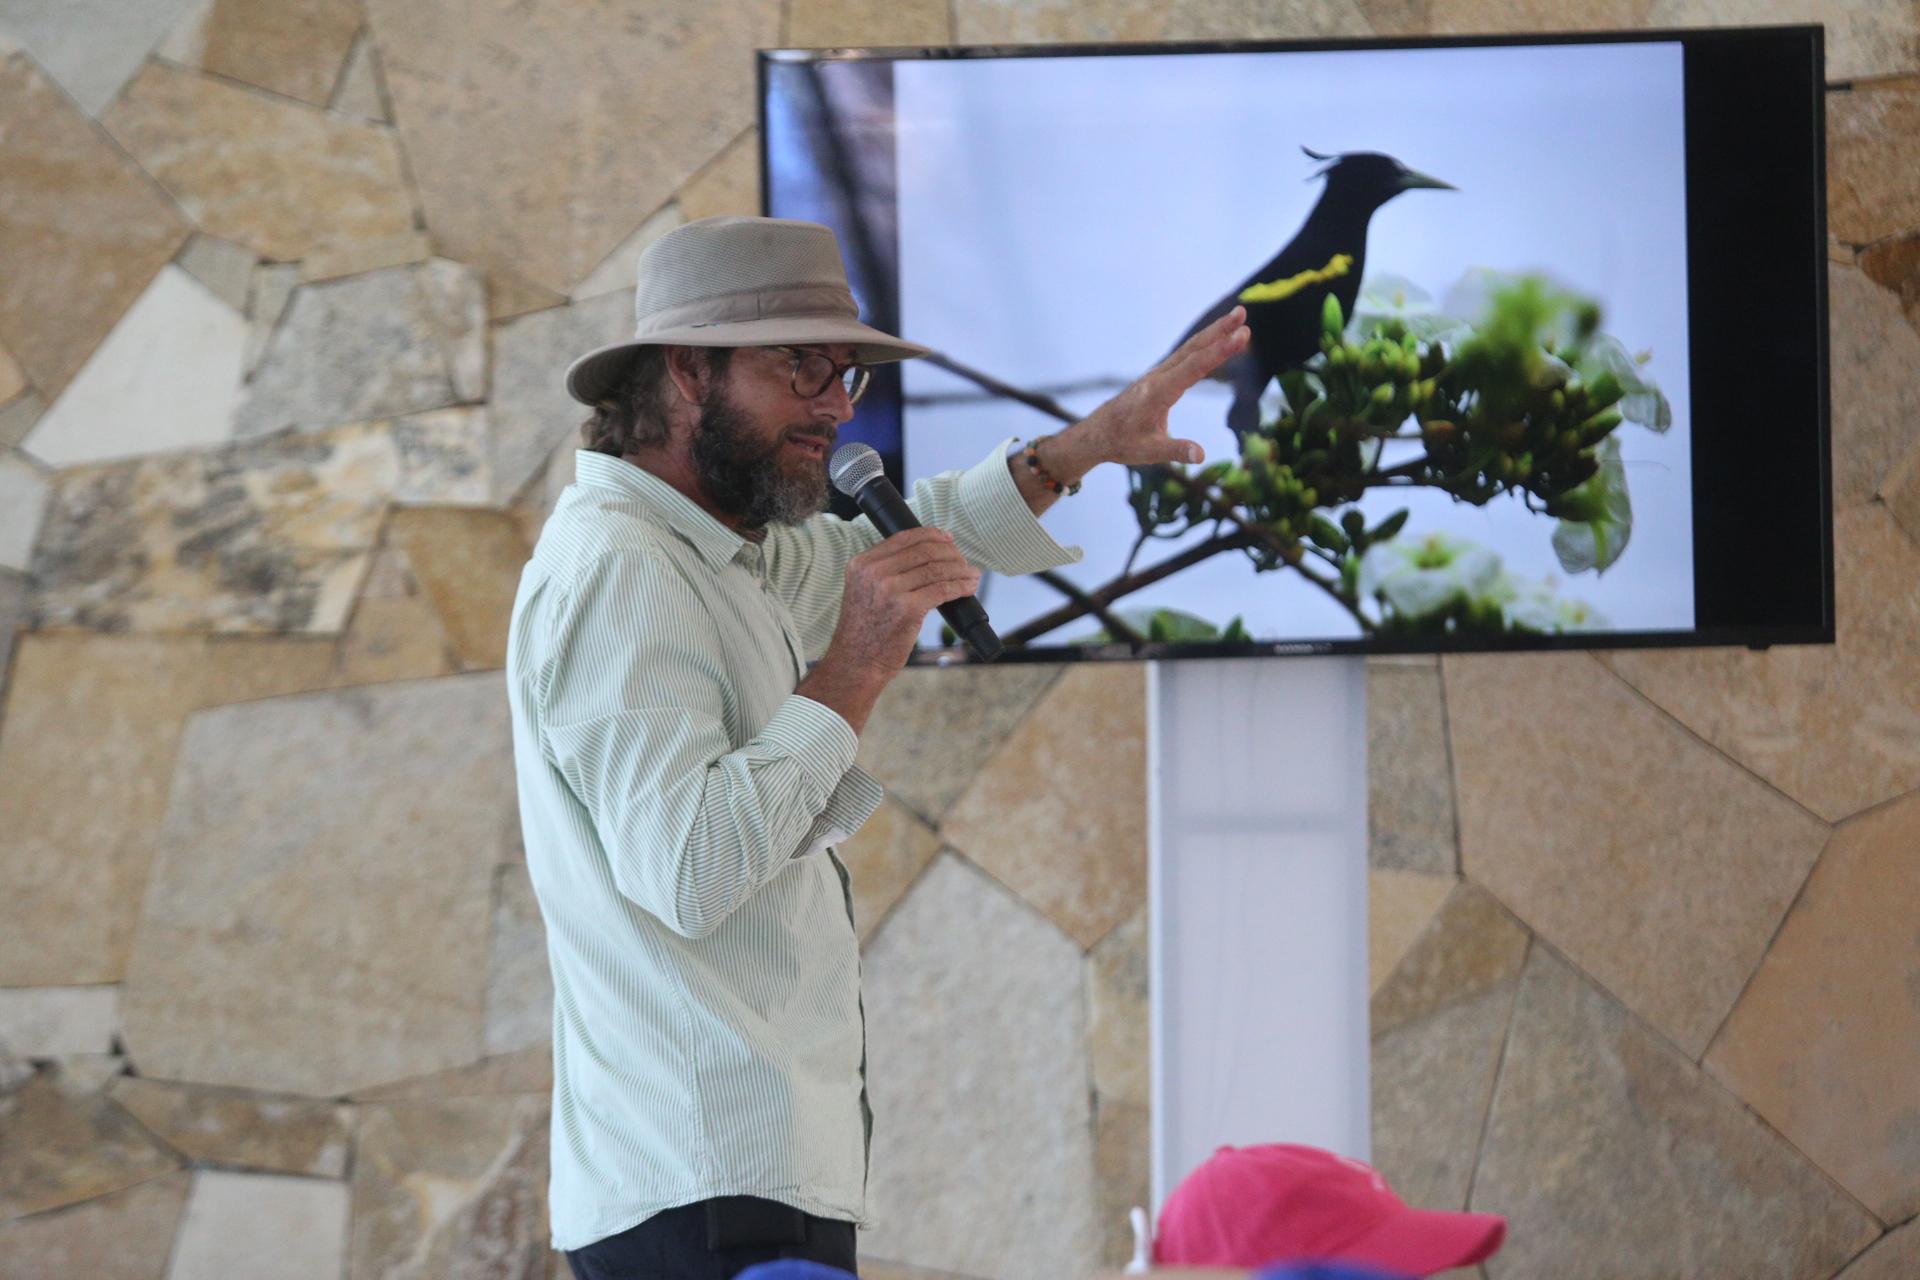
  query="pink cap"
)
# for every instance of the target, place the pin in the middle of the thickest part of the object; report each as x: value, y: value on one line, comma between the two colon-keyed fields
x: 1253, y: 1206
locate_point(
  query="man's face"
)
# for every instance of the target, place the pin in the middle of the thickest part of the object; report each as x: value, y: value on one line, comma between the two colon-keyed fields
x: 759, y: 449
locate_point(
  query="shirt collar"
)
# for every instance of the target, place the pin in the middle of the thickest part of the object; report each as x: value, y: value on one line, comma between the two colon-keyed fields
x: 716, y: 543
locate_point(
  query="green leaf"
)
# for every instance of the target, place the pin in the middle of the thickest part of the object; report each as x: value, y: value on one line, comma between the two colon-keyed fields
x: 1326, y: 534
x: 1597, y: 540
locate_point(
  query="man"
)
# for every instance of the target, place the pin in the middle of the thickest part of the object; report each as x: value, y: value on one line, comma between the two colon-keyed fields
x: 684, y: 775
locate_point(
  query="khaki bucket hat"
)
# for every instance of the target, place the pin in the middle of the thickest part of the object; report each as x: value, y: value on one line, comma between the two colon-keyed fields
x: 738, y: 282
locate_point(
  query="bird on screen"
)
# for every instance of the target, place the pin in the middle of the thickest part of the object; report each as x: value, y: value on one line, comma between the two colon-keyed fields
x: 1284, y: 298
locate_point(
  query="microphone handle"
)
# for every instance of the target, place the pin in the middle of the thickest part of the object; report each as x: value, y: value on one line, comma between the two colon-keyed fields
x: 890, y: 514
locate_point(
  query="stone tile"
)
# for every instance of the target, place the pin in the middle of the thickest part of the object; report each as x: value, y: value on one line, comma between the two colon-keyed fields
x: 883, y: 859
x: 1865, y: 38
x: 123, y: 1236
x: 225, y: 268
x: 272, y: 1134
x: 729, y: 183
x: 532, y: 413
x: 528, y: 1071
x: 270, y: 535
x: 13, y: 379
x: 1873, y: 161
x: 1610, y: 1155
x: 1410, y: 822
x: 962, y: 952
x: 869, y: 24
x: 312, y: 179
x: 619, y: 269
x: 23, y: 500
x: 356, y: 257
x: 1902, y: 495
x: 267, y: 299
x: 1060, y: 813
x: 1894, y: 265
x: 276, y: 863
x: 509, y: 296
x: 1455, y: 16
x: 1024, y: 22
x: 47, y: 1022
x: 458, y: 298
x: 879, y: 1269
x: 392, y: 639
x: 167, y: 378
x: 1400, y: 905
x: 1876, y: 389
x: 468, y: 563
x: 453, y: 1188
x: 18, y: 418
x: 1825, y: 1043
x: 62, y: 1141
x: 292, y: 47
x: 1838, y: 728
x: 519, y: 985
x: 262, y: 1226
x: 16, y: 604
x: 677, y: 79
x: 1895, y: 1256
x: 1438, y: 1026
x: 389, y: 577
x: 1123, y: 1174
x: 933, y: 728
x: 1118, y: 1004
x: 1395, y: 17
x: 81, y: 228
x: 369, y: 346
x: 91, y: 47
x: 1656, y: 864
x: 359, y: 93
x: 80, y: 840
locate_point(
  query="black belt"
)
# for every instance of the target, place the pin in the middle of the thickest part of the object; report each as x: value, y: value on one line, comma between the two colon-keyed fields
x: 748, y: 1222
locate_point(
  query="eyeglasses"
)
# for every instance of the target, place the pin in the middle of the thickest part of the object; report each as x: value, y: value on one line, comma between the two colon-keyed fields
x: 813, y: 373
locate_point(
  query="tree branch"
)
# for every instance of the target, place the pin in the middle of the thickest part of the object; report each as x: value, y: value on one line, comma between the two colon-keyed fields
x: 1122, y: 586
x: 1116, y: 626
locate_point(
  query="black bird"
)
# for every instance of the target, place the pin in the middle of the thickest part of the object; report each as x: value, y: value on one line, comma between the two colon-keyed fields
x: 1284, y: 298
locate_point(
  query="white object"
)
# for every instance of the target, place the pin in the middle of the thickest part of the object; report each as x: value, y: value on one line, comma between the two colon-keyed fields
x: 1142, y: 1243
x: 1257, y: 880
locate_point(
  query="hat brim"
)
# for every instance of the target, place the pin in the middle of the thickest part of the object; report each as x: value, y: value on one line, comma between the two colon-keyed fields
x: 597, y: 374
x: 1419, y: 1242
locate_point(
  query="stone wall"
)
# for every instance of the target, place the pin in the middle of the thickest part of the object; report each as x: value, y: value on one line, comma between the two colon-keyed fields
x: 286, y: 286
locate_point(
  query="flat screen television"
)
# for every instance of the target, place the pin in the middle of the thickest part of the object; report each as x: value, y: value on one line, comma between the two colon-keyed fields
x: 1540, y: 339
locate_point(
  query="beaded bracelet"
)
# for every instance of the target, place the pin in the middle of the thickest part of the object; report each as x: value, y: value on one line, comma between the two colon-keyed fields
x: 1040, y: 473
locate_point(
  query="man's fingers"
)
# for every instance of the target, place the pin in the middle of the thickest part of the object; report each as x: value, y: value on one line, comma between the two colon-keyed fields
x: 922, y: 577
x: 1206, y: 351
x: 906, y: 543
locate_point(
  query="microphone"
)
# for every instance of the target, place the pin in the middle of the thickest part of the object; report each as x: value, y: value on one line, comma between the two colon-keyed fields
x: 856, y: 472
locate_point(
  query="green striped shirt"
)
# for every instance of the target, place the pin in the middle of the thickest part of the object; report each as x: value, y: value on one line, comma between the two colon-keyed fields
x: 680, y: 803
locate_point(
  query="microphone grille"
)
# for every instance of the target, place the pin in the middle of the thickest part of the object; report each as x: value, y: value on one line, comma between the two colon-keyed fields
x: 854, y: 467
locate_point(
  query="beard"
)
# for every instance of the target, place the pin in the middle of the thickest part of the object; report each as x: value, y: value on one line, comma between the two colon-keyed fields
x: 747, y: 479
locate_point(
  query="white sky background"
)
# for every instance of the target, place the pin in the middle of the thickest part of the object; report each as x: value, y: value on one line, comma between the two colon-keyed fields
x: 1063, y: 219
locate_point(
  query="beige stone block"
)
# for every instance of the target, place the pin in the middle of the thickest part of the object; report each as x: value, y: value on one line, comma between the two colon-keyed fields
x: 292, y: 47
x: 271, y: 535
x: 455, y: 1188
x: 1837, y: 728
x: 933, y: 728
x: 883, y: 859
x: 1876, y: 385
x: 1122, y: 1174
x: 80, y: 839
x: 509, y: 296
x: 519, y: 984
x: 619, y: 270
x: 1611, y: 1155
x: 729, y: 183
x: 1656, y: 864
x: 124, y: 1236
x: 90, y: 47
x: 1863, y: 38
x: 1825, y: 1043
x: 468, y: 563
x: 282, y: 945
x: 883, y: 1269
x: 1047, y: 21
x: 82, y: 230
x: 530, y: 409
x: 1400, y: 905
x: 1410, y: 820
x: 47, y: 1022
x: 523, y: 1071
x: 283, y: 179
x: 1902, y: 495
x: 1118, y: 1006
x: 1395, y: 17
x: 587, y: 113
x: 237, y: 1130
x: 1873, y: 161
x: 62, y: 1141
x: 225, y: 268
x: 1460, y: 16
x: 262, y: 1226
x: 398, y: 638
x: 359, y: 92
x: 19, y: 417
x: 399, y: 249
x: 1059, y: 815
x: 867, y: 24
x: 13, y: 379
x: 1895, y: 1256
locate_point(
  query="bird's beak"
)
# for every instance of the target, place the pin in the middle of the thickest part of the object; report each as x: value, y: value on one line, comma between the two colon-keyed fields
x: 1412, y: 178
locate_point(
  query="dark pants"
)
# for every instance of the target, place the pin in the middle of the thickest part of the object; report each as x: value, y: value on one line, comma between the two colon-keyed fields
x: 714, y: 1240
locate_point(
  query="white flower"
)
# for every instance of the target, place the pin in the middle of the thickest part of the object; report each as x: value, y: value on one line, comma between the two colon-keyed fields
x: 1423, y: 576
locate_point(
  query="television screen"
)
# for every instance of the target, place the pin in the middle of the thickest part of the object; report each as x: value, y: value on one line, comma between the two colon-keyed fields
x: 1539, y: 337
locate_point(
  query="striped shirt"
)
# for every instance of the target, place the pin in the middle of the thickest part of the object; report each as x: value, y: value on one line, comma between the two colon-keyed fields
x: 680, y: 803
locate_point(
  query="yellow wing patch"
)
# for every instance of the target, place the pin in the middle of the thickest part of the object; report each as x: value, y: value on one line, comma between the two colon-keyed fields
x: 1338, y: 265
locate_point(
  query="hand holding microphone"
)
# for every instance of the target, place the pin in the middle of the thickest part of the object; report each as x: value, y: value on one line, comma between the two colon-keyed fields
x: 914, y: 568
